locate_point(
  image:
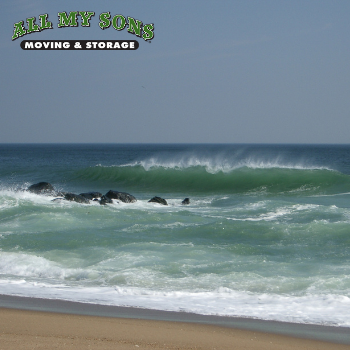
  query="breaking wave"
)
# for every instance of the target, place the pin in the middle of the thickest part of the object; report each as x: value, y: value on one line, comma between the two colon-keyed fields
x: 201, y: 176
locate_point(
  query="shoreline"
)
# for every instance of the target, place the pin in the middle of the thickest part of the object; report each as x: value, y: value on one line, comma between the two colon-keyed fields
x: 18, y: 306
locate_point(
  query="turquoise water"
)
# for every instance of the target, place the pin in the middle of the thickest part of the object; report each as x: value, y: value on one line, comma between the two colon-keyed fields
x: 266, y: 233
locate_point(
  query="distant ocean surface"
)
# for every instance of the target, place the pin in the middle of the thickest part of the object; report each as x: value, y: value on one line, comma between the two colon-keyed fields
x: 266, y: 234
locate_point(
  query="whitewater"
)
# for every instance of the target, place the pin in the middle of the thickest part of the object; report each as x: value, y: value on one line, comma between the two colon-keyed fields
x: 266, y: 234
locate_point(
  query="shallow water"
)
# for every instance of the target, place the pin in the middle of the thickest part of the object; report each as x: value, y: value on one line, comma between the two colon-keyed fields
x: 266, y: 234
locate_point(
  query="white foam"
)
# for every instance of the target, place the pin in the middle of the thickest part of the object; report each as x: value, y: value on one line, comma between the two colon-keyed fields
x: 10, y: 198
x: 25, y: 265
x: 126, y: 279
x: 325, y: 309
x: 220, y: 163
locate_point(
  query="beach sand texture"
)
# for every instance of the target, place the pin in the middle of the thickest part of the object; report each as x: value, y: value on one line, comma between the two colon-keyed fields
x: 23, y: 329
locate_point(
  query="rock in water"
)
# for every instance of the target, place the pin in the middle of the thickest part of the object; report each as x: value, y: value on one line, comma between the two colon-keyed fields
x: 105, y: 200
x: 158, y: 200
x: 76, y: 198
x: 122, y: 196
x: 91, y: 195
x: 41, y: 188
x: 186, y: 201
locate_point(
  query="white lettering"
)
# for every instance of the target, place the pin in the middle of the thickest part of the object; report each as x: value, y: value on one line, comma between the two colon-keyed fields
x: 29, y: 45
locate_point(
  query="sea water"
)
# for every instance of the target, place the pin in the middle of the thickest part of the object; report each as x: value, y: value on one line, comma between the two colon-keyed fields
x: 266, y: 234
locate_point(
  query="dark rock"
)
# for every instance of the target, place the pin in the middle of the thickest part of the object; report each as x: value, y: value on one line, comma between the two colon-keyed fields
x: 76, y: 198
x: 122, y: 196
x: 91, y: 195
x: 41, y: 188
x: 105, y: 200
x: 186, y: 201
x: 158, y: 200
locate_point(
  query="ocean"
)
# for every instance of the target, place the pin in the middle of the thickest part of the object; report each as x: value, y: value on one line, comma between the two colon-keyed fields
x: 266, y: 234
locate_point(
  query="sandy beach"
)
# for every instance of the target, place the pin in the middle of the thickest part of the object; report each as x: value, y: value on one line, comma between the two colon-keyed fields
x: 62, y: 325
x: 22, y: 329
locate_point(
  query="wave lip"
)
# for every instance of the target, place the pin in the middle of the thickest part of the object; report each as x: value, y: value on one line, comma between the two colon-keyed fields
x: 222, y: 164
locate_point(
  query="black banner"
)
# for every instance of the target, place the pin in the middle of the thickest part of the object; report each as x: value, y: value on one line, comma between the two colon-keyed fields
x: 79, y: 45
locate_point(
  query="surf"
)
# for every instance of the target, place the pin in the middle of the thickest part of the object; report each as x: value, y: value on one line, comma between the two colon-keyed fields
x: 199, y: 179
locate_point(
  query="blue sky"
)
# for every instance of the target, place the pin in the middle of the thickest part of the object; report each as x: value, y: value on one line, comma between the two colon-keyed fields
x: 216, y: 72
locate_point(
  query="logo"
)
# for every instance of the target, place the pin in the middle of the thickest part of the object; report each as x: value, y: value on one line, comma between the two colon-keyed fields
x: 83, y: 18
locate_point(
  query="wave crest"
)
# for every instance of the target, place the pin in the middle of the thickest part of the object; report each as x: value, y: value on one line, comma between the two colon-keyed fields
x: 194, y: 176
x: 222, y: 164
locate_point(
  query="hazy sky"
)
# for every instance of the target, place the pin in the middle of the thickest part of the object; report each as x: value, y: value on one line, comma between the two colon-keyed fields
x: 273, y: 71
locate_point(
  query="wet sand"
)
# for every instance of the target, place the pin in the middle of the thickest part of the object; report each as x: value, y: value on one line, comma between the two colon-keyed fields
x: 67, y: 325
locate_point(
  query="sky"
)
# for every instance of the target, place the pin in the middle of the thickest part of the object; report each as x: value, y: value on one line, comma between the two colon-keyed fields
x: 248, y: 71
